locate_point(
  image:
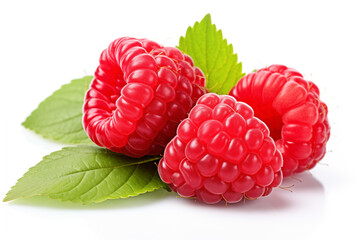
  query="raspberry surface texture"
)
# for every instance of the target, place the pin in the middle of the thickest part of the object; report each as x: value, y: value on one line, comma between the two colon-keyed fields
x: 221, y: 152
x: 140, y: 93
x: 291, y: 108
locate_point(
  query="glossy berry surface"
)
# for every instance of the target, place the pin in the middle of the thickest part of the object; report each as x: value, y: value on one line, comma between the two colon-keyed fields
x: 291, y: 108
x: 221, y: 152
x: 140, y: 93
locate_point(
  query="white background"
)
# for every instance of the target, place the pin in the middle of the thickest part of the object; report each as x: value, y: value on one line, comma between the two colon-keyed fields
x: 44, y: 45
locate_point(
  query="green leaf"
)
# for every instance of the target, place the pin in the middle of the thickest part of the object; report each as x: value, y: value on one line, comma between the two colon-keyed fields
x: 213, y: 55
x: 59, y: 117
x: 88, y: 174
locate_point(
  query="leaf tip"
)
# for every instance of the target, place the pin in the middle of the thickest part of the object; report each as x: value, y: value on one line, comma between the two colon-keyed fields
x: 207, y: 18
x: 7, y: 198
x: 25, y: 123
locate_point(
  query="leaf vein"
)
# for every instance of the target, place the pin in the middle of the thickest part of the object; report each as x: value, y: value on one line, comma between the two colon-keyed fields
x: 104, y: 178
x: 51, y: 124
x: 112, y: 167
x: 126, y: 182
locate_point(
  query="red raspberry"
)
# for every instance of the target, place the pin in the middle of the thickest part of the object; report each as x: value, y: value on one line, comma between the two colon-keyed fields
x: 221, y: 151
x: 291, y: 108
x: 140, y: 93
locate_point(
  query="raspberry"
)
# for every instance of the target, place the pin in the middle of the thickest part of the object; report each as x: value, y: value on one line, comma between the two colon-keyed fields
x: 291, y: 108
x: 140, y: 93
x: 221, y: 152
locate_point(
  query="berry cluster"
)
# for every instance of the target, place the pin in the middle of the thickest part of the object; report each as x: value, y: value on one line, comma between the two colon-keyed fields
x: 221, y: 151
x: 140, y: 93
x: 291, y: 108
x: 145, y: 98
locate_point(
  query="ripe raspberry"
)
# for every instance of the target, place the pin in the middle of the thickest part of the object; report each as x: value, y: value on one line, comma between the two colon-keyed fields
x: 291, y: 108
x: 221, y: 151
x: 140, y: 93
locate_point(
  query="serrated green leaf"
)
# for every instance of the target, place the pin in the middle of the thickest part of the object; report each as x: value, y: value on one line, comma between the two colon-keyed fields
x: 59, y: 117
x: 213, y: 55
x: 88, y: 174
